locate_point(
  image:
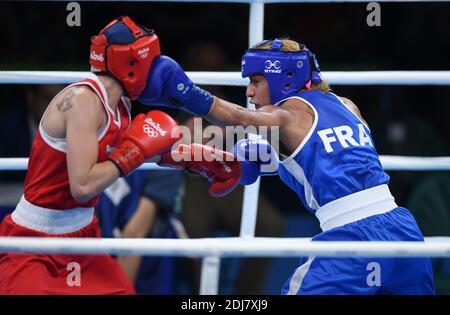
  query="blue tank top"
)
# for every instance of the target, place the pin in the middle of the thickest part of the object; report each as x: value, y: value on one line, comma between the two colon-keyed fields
x: 337, y: 157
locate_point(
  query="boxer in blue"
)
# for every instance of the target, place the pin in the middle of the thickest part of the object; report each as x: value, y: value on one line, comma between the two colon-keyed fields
x: 330, y: 162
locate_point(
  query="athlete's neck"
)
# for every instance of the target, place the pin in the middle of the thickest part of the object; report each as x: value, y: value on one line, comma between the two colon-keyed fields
x: 113, y: 89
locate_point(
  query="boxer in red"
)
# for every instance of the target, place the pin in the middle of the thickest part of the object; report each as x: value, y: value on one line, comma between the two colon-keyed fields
x: 85, y: 141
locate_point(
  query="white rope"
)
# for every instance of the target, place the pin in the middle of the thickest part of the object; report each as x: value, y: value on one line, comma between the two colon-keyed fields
x: 389, y: 162
x: 415, y: 163
x: 21, y: 164
x: 226, y: 247
x: 235, y: 79
x: 257, y: 1
x: 42, y: 77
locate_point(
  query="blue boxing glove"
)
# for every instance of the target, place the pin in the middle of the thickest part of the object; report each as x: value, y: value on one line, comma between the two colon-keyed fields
x: 257, y: 157
x: 168, y: 86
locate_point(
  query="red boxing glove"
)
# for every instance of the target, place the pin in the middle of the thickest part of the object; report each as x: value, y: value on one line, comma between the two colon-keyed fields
x: 219, y: 167
x: 147, y: 136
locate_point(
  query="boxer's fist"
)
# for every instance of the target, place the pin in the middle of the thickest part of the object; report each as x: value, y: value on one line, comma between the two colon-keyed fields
x: 258, y: 158
x: 219, y: 167
x: 147, y: 136
x: 168, y: 85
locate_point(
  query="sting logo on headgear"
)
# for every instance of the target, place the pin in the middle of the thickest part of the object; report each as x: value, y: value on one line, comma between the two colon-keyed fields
x: 126, y: 50
x: 272, y: 67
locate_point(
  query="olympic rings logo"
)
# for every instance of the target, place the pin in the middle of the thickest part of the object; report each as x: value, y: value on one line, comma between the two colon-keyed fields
x: 150, y: 131
x: 275, y: 65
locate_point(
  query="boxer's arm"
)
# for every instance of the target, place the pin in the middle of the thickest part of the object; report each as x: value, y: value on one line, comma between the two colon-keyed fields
x: 353, y: 108
x: 224, y: 113
x: 83, y: 119
x: 138, y: 226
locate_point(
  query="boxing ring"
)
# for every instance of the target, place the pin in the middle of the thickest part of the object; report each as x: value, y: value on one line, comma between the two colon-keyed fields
x: 212, y: 249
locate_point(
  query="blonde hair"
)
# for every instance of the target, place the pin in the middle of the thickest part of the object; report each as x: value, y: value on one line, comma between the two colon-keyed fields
x: 291, y: 45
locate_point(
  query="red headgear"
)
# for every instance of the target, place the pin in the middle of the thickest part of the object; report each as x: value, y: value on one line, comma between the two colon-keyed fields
x: 126, y: 50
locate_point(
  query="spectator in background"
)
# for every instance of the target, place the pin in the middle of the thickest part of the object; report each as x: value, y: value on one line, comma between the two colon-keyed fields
x: 144, y: 204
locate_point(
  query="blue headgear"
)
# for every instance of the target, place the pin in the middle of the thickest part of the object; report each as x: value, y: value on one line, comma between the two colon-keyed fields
x: 285, y: 71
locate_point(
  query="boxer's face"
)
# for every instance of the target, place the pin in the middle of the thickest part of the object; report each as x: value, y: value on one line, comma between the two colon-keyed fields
x: 258, y: 91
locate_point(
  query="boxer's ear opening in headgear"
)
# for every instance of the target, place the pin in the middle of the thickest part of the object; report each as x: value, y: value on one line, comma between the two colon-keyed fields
x: 126, y: 50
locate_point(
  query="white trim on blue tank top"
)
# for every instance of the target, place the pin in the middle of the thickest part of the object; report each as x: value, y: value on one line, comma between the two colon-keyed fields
x: 297, y: 172
x: 311, y: 131
x: 294, y: 168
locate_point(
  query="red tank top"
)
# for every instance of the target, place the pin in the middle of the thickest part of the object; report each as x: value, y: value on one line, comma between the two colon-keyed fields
x: 47, y: 180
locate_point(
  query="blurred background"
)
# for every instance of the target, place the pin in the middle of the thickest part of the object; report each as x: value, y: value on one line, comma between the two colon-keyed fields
x: 405, y: 120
